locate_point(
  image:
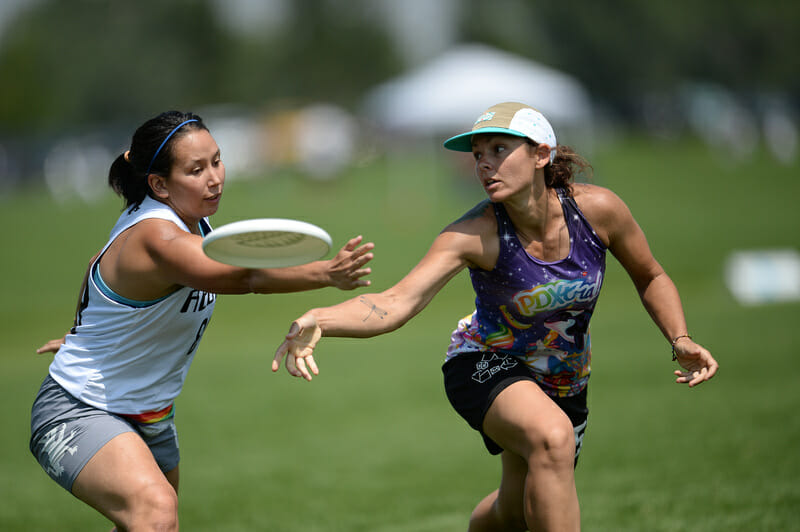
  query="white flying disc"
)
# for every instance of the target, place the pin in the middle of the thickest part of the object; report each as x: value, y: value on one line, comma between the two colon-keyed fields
x: 267, y: 243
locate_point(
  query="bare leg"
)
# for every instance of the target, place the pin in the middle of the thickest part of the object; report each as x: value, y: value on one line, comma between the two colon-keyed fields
x: 503, y: 508
x: 538, y: 486
x: 124, y: 483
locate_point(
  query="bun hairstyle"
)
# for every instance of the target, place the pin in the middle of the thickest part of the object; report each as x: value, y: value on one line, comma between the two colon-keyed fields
x: 565, y: 166
x: 151, y: 152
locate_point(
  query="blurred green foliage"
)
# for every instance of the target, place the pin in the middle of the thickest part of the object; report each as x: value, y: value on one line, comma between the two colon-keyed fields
x: 85, y: 62
x: 623, y: 48
x: 67, y: 62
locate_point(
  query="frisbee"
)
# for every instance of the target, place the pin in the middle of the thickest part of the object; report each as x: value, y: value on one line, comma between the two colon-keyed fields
x: 267, y: 243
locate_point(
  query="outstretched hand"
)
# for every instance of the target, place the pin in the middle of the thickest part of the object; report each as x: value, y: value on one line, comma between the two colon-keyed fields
x: 298, y: 347
x: 51, y: 346
x: 346, y: 268
x: 697, y: 362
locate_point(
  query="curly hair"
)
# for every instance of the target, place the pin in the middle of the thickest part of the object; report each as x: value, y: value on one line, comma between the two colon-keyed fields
x: 566, y: 165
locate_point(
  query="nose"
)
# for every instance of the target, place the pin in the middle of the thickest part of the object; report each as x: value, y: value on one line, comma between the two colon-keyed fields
x: 483, y: 163
x: 216, y: 176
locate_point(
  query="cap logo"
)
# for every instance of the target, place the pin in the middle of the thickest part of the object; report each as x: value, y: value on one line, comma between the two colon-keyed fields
x: 484, y: 117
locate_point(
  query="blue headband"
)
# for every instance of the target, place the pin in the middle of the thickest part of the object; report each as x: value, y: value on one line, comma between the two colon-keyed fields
x: 165, y: 141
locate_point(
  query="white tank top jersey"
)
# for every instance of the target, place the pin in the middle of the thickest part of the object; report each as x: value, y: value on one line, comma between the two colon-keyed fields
x: 132, y: 357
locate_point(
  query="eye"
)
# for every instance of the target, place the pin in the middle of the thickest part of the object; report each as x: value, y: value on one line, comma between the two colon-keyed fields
x: 476, y: 155
x: 500, y: 148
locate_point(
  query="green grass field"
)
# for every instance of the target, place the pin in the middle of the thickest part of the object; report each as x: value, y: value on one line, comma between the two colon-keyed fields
x: 372, y: 444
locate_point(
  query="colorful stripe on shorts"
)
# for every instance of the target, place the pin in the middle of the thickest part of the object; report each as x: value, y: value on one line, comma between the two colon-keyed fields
x: 152, y: 417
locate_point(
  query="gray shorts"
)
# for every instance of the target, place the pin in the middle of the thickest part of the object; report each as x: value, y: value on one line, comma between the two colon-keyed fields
x: 66, y: 433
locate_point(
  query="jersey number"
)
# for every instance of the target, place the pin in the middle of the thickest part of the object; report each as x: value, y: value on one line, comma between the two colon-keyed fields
x: 200, y: 332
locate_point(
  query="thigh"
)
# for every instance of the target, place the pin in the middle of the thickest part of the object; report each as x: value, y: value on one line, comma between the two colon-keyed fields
x: 66, y: 433
x: 118, y: 473
x: 522, y: 415
x: 473, y: 381
x: 162, y: 439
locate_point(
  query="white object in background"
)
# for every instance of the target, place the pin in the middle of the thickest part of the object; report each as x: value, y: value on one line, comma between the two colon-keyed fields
x: 765, y: 276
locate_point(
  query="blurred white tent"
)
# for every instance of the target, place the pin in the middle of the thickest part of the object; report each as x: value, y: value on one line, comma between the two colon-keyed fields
x: 448, y: 93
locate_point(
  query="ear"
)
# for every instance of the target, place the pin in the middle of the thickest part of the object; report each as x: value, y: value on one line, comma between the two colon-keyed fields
x: 542, y: 155
x: 158, y: 185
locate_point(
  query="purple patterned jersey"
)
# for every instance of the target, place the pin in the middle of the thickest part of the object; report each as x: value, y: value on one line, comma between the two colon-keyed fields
x: 535, y: 310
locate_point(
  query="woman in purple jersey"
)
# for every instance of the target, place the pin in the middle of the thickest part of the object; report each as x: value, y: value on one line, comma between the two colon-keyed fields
x: 517, y: 367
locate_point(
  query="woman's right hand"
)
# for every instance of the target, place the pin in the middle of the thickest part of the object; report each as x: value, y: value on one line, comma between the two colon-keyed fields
x: 298, y: 348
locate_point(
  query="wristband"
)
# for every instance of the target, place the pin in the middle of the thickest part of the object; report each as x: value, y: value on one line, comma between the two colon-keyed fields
x: 674, y: 356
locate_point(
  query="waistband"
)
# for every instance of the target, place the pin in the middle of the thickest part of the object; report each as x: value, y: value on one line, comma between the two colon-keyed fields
x: 152, y: 417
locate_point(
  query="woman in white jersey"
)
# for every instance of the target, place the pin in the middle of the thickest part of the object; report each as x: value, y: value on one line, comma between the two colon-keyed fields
x: 517, y: 368
x: 102, y: 424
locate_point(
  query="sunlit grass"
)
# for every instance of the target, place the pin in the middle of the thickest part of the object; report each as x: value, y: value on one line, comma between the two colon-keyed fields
x: 372, y: 444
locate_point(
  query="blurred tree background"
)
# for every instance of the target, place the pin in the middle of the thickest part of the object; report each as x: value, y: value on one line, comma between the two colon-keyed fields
x: 81, y: 65
x: 70, y: 62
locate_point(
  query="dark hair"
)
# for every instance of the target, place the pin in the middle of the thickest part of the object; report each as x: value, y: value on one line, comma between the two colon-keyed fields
x: 566, y: 165
x: 128, y: 175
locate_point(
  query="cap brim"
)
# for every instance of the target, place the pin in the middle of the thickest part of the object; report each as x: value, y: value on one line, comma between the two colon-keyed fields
x: 463, y: 142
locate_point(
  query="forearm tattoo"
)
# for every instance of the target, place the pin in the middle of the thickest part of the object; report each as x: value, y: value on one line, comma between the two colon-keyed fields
x: 373, y: 309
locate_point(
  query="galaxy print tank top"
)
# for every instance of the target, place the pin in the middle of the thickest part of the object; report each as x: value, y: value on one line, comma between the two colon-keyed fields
x: 535, y: 310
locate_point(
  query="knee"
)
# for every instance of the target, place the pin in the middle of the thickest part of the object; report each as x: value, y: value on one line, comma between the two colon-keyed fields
x: 554, y: 446
x: 155, y: 508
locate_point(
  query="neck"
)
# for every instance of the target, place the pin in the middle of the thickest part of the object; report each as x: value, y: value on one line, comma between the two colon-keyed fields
x: 533, y: 209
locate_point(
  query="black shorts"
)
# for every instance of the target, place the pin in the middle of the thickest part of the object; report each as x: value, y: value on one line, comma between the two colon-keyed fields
x: 472, y: 381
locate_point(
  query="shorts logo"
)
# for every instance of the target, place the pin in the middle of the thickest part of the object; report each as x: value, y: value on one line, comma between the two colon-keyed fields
x: 55, y: 446
x: 489, y: 366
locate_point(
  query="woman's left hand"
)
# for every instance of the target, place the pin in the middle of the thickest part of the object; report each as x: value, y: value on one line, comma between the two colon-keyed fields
x: 697, y: 362
x: 51, y: 346
x: 346, y: 268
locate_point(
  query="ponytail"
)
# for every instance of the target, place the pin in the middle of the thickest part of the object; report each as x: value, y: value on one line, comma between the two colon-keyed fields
x: 566, y: 165
x: 123, y: 179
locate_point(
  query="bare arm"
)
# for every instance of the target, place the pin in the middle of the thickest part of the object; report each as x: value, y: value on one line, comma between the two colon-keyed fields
x: 658, y: 293
x: 374, y: 314
x: 157, y: 256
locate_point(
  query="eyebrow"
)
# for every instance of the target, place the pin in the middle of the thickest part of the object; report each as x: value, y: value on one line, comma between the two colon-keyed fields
x: 217, y: 153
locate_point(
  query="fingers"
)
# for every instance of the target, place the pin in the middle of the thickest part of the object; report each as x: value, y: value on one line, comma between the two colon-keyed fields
x: 693, y: 378
x: 279, y: 354
x: 353, y: 243
x: 356, y: 281
x: 302, y: 366
x: 51, y: 347
x: 698, y: 364
x: 347, y: 268
x: 298, y: 348
x: 294, y: 330
x: 360, y: 255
